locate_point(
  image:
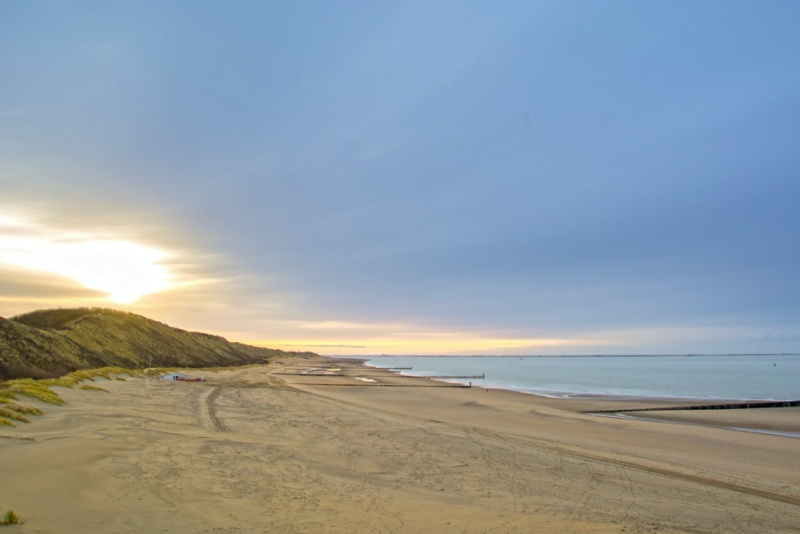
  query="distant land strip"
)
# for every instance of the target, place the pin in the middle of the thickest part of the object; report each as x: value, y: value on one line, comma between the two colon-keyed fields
x: 339, y: 384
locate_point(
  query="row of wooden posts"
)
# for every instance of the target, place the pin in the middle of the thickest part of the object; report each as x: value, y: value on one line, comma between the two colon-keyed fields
x: 727, y: 406
x: 427, y: 377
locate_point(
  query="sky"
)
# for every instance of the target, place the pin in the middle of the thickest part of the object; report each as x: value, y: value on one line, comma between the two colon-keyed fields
x: 433, y: 177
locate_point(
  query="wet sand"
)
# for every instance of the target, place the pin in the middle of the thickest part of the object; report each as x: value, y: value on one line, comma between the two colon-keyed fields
x: 255, y: 451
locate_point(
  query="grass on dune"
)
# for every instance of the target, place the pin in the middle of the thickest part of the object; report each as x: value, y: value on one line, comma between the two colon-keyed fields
x: 76, y: 377
x: 12, y: 410
x: 29, y: 387
x: 11, y: 391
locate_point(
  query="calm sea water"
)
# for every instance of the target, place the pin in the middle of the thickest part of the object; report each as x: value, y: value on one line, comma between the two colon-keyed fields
x: 735, y: 377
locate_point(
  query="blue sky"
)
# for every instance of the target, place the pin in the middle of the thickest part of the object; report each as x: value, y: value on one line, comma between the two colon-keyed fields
x: 570, y: 177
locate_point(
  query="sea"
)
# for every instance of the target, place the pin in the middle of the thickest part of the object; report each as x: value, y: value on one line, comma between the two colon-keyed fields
x: 728, y: 377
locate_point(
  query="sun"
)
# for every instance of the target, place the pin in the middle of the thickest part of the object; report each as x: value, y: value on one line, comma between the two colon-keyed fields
x: 125, y: 270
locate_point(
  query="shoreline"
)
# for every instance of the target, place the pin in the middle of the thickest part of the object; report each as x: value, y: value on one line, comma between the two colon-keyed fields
x: 783, y: 421
x: 267, y: 448
x: 568, y: 394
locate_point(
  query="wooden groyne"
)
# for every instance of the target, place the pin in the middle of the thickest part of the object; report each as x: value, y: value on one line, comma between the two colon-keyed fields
x: 425, y: 377
x: 332, y: 375
x: 433, y: 377
x: 377, y: 369
x: 310, y: 374
x: 727, y: 406
x: 321, y: 367
x: 374, y: 369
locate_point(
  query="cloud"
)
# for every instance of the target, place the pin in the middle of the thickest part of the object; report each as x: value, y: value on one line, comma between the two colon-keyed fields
x: 521, y: 178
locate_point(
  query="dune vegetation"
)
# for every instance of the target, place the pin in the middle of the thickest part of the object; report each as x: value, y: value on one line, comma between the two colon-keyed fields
x: 70, y: 347
x: 52, y: 343
x: 13, y: 409
x: 9, y: 518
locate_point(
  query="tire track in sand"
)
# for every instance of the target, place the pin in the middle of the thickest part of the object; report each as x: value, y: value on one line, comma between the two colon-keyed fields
x: 209, y: 411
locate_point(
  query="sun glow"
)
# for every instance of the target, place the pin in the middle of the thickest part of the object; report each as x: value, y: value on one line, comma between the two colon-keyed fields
x: 124, y: 270
x: 424, y: 344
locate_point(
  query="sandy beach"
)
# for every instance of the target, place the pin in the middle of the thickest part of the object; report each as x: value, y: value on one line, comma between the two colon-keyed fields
x: 270, y: 449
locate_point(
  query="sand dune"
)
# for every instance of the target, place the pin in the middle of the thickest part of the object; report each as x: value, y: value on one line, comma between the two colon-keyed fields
x: 250, y: 451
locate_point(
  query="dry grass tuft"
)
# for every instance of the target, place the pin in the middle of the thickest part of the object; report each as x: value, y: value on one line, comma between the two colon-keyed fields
x: 20, y: 407
x: 33, y: 389
x: 10, y: 518
x: 82, y: 375
x: 93, y: 388
x: 108, y: 371
x: 64, y: 382
x: 11, y: 414
x: 10, y: 393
